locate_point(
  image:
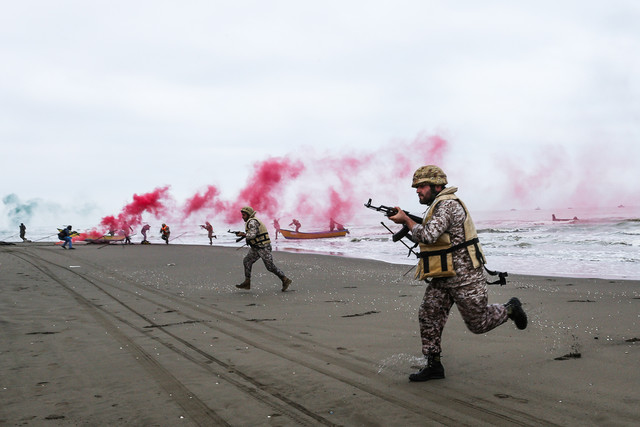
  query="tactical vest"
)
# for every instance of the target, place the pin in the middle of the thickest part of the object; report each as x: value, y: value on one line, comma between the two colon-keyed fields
x: 436, y: 259
x: 262, y: 238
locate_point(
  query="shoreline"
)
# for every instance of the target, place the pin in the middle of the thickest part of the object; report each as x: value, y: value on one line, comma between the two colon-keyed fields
x: 311, y: 252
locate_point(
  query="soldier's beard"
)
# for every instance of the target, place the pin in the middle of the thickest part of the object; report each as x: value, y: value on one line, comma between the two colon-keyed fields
x: 428, y: 200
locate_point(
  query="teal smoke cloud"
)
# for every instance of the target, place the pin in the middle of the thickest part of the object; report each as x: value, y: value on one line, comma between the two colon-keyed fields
x: 18, y: 211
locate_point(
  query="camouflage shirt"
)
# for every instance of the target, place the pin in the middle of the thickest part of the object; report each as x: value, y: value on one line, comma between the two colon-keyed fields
x: 449, y: 216
x: 252, y: 228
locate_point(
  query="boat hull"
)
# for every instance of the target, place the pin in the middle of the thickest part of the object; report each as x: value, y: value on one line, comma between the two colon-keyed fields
x: 290, y: 234
x: 105, y: 239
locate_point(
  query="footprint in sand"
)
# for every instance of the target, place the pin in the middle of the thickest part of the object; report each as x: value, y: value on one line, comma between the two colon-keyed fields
x: 569, y: 356
x: 508, y: 396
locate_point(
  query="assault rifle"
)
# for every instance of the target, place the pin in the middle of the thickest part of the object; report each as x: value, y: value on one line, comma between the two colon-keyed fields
x: 236, y: 233
x: 389, y: 211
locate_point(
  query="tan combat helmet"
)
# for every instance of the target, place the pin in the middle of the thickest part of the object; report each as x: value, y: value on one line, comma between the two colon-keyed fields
x: 248, y: 210
x: 430, y: 174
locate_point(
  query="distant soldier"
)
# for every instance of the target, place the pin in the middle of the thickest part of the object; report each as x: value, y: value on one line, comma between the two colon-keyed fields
x: 259, y: 247
x: 127, y: 230
x: 333, y: 225
x: 296, y: 223
x: 276, y: 225
x: 65, y: 235
x: 209, y: 229
x: 144, y: 230
x: 165, y: 233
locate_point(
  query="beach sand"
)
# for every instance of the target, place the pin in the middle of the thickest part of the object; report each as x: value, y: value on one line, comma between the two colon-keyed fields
x: 159, y: 335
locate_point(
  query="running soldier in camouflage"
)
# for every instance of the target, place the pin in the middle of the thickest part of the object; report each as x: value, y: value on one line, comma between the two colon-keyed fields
x: 451, y: 262
x: 259, y: 247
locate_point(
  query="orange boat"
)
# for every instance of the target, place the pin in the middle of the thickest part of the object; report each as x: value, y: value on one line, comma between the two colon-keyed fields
x: 290, y: 234
x: 105, y: 239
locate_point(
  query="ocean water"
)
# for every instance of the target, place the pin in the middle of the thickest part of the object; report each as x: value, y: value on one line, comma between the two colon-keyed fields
x: 602, y: 243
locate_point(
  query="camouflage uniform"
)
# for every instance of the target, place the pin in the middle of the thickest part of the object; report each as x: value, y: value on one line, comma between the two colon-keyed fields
x: 256, y: 252
x: 467, y: 289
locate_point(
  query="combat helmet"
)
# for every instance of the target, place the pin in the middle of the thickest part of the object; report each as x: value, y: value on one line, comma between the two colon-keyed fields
x: 430, y: 174
x: 248, y: 210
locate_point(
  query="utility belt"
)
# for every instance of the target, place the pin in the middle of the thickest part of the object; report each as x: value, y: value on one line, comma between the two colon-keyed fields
x: 439, y: 263
x: 442, y: 253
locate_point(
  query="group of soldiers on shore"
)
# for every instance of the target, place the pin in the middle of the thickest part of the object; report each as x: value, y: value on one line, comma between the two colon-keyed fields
x: 451, y: 262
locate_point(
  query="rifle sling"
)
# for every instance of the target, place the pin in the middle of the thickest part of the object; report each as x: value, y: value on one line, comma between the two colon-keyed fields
x: 501, y: 277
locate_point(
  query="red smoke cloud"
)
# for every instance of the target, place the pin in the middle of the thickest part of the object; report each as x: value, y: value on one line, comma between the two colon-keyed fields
x: 207, y: 200
x: 265, y: 187
x: 527, y: 183
x: 318, y: 187
x: 590, y: 176
x: 313, y: 189
x: 131, y: 215
x: 350, y: 180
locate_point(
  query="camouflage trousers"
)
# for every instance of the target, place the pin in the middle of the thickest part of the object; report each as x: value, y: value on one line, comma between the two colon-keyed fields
x: 472, y: 304
x: 265, y: 253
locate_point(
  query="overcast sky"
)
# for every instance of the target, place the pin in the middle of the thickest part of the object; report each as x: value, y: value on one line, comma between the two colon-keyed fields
x: 104, y: 99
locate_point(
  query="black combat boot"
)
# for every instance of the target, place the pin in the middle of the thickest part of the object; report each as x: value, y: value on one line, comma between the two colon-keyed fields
x: 433, y: 371
x: 516, y: 313
x: 285, y: 283
x: 244, y: 285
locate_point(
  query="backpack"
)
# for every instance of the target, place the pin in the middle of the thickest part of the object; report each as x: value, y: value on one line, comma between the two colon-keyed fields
x: 62, y: 234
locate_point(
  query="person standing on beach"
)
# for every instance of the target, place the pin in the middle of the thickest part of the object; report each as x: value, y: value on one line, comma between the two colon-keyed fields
x: 65, y: 235
x: 23, y: 230
x: 276, y: 225
x: 127, y: 230
x: 451, y: 262
x: 165, y: 233
x: 144, y: 230
x: 259, y: 247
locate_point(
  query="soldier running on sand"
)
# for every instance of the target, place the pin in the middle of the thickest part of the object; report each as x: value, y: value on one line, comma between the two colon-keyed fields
x: 209, y: 229
x: 165, y: 232
x: 65, y: 235
x: 259, y: 247
x: 451, y: 257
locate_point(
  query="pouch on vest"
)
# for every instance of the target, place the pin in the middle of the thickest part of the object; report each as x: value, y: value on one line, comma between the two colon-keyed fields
x: 437, y: 261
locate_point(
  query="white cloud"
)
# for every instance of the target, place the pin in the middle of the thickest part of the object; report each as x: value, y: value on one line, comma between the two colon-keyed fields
x: 192, y: 94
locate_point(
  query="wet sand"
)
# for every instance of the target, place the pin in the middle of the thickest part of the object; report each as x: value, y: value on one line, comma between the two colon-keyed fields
x: 159, y: 335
